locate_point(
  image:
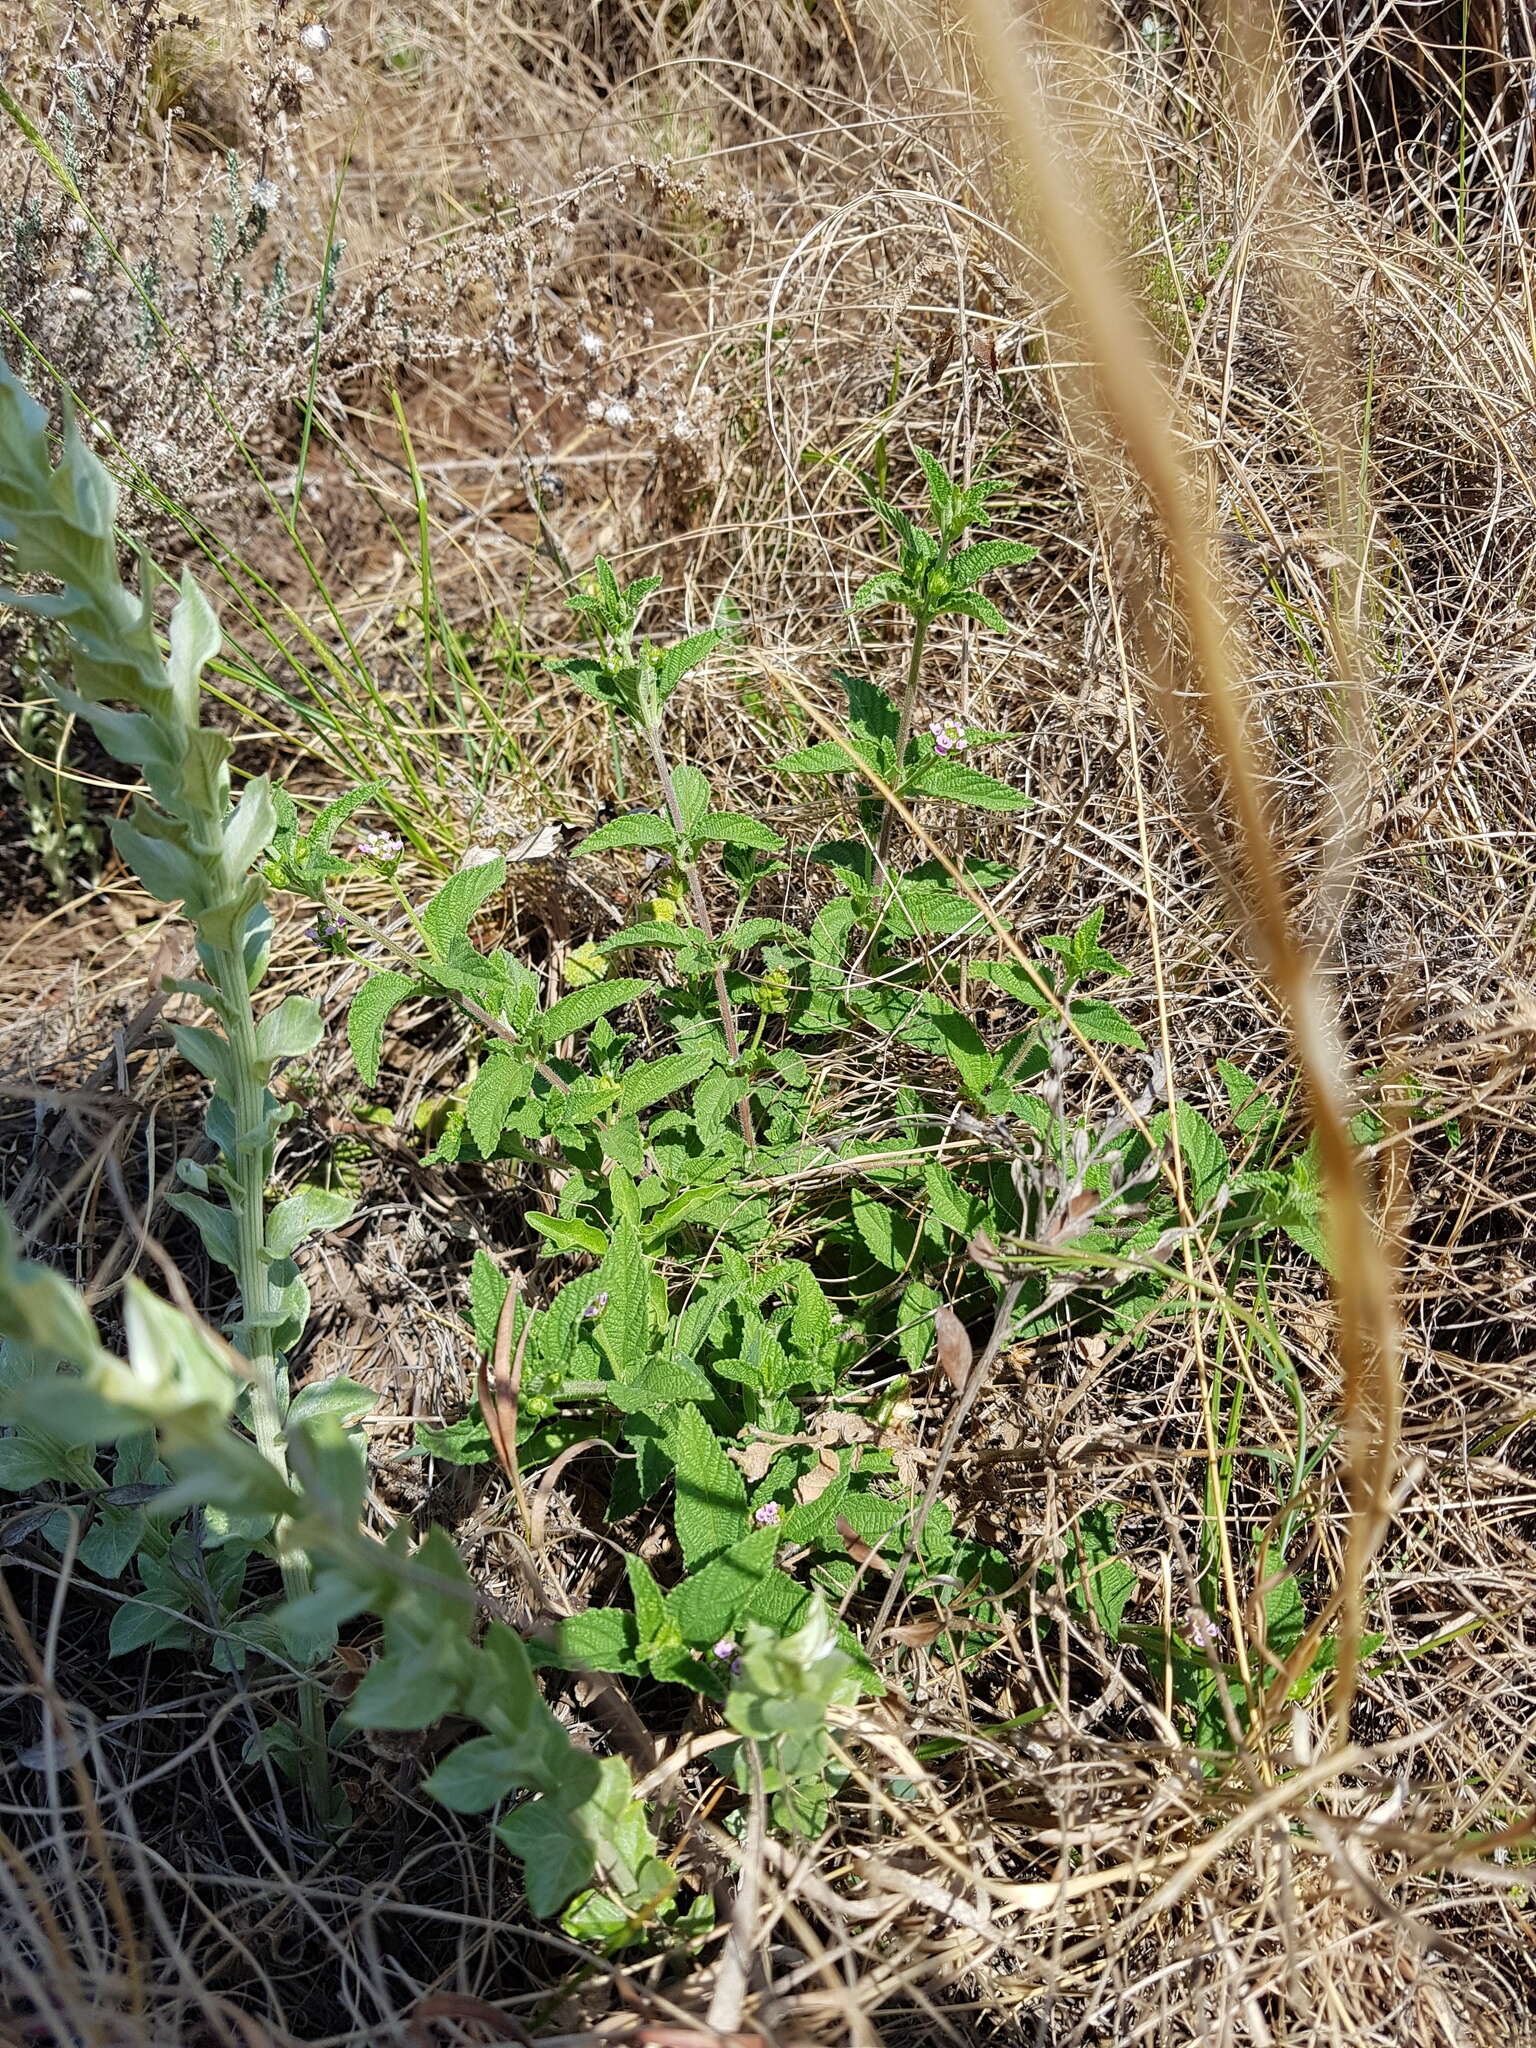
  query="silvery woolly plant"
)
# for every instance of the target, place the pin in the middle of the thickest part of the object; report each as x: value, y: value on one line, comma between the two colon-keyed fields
x: 188, y: 842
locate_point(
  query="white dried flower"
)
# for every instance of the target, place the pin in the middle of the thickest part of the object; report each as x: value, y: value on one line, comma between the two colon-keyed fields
x: 264, y: 195
x: 682, y: 427
x: 647, y: 321
x: 314, y: 35
x: 303, y: 74
x: 77, y: 225
x: 616, y: 414
x: 594, y: 410
x: 591, y: 345
x: 79, y: 296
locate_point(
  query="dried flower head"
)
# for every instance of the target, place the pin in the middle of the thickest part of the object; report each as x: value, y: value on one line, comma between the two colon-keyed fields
x: 314, y: 35
x: 264, y: 195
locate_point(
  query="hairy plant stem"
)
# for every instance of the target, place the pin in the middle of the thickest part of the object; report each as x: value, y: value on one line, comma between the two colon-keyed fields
x: 248, y: 1165
x: 903, y: 739
x: 702, y: 919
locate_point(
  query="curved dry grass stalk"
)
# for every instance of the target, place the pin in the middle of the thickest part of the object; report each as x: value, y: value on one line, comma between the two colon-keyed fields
x: 1126, y: 387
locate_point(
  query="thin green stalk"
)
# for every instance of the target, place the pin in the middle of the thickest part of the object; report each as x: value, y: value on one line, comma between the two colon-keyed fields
x: 908, y: 719
x: 702, y: 918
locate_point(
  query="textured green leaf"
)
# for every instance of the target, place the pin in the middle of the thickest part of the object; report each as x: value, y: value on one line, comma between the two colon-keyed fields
x: 729, y: 828
x: 651, y: 933
x: 642, y: 828
x: 954, y: 782
x: 711, y: 1511
x: 623, y: 1327
x: 969, y: 564
x: 871, y: 712
x: 1103, y: 1023
x: 686, y: 655
x: 890, y: 1237
x: 501, y: 1084
x: 651, y: 1081
x: 651, y: 1624
x: 1252, y: 1110
x: 368, y: 1014
x: 1285, y: 1616
x: 465, y: 1442
x: 888, y: 586
x: 447, y: 918
x: 583, y: 1006
x: 1105, y: 1581
x: 826, y: 757
x: 600, y: 1639
x: 1205, y: 1157
x: 705, y: 1606
x: 974, y: 606
x: 691, y: 788
x: 965, y: 1046
x: 916, y: 1332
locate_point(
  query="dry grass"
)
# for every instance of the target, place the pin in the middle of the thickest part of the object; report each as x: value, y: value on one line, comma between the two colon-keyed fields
x: 791, y: 235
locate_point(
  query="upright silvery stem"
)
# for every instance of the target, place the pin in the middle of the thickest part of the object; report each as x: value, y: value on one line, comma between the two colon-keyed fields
x: 188, y: 842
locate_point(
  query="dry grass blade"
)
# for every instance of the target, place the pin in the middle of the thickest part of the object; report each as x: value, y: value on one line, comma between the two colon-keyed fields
x: 1136, y: 407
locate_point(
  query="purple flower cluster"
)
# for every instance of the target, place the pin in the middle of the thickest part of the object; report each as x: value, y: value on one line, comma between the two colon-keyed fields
x: 595, y: 1307
x: 382, y: 847
x: 949, y: 736
x: 327, y: 930
x: 769, y: 1515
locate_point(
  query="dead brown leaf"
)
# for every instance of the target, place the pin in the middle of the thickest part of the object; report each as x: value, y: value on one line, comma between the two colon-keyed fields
x: 955, y: 1349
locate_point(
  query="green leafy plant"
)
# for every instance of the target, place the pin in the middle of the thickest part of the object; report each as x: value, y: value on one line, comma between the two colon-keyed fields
x: 934, y: 578
x: 647, y: 1128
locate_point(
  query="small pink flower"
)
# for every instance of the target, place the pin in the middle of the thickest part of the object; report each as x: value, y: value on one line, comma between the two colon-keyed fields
x: 1204, y: 1633
x: 595, y: 1306
x: 949, y: 736
x: 725, y: 1650
x: 769, y: 1515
